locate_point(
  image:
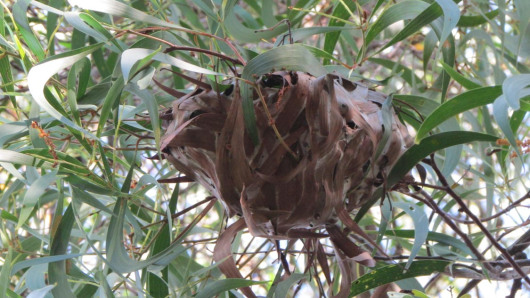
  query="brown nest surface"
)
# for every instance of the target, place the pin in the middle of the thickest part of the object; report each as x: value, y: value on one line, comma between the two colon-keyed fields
x: 322, y: 152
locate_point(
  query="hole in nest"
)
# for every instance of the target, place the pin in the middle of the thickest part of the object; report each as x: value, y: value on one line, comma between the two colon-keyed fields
x: 197, y: 91
x: 294, y: 77
x: 343, y: 109
x: 349, y: 86
x: 380, y: 105
x: 380, y: 179
x: 229, y: 90
x: 274, y: 81
x: 196, y: 113
x: 351, y: 124
x: 366, y: 166
x: 384, y: 161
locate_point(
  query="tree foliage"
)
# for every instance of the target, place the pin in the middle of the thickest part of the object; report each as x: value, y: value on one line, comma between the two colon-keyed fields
x: 86, y: 207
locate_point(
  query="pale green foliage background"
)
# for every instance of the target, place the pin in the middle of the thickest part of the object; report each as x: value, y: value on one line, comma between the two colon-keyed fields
x: 83, y: 212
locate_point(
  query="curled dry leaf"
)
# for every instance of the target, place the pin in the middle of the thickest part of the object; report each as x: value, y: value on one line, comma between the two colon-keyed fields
x: 323, y: 165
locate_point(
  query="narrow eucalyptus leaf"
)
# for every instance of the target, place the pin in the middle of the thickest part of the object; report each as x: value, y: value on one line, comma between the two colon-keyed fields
x: 39, y: 75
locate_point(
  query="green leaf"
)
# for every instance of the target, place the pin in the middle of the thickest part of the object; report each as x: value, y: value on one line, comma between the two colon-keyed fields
x: 465, y: 82
x: 421, y: 227
x: 433, y: 236
x: 104, y: 34
x: 157, y: 285
x: 460, y: 103
x: 431, y: 144
x: 318, y: 53
x: 500, y: 113
x: 5, y: 273
x: 33, y: 43
x: 42, y: 72
x: 85, y: 197
x: 283, y: 287
x: 117, y: 256
x: 22, y: 159
x: 448, y: 54
x: 242, y: 33
x: 523, y: 11
x: 116, y: 8
x: 59, y: 246
x: 398, y: 69
x: 473, y: 21
x: 32, y: 196
x: 112, y: 96
x: 387, y: 115
x: 400, y: 11
x: 391, y: 273
x: 340, y: 12
x: 424, y: 18
x: 152, y: 107
x: 514, y: 88
x: 220, y: 286
x: 525, y: 105
x: 42, y: 260
x: 429, y: 44
x: 77, y: 70
x: 131, y: 56
x: 451, y: 15
x: 7, y: 77
x: 302, y: 33
x: 267, y: 13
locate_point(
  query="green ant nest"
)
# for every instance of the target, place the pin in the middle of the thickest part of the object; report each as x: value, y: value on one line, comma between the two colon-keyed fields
x: 322, y: 152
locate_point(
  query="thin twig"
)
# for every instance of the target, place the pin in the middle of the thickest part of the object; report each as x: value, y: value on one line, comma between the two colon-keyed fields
x: 476, y: 220
x: 273, y: 125
x: 429, y: 201
x: 179, y: 213
x: 512, y: 205
x: 156, y: 28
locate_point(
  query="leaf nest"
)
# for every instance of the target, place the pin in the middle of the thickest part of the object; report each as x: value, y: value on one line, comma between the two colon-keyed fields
x: 322, y: 150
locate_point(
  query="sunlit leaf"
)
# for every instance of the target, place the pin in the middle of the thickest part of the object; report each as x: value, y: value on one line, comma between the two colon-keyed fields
x: 500, y: 112
x: 473, y: 21
x: 131, y: 56
x: 421, y: 227
x: 465, y: 82
x: 33, y: 194
x: 460, y: 103
x: 121, y: 9
x: 431, y: 144
x: 514, y: 88
x: 451, y: 15
x: 42, y: 260
x: 340, y: 12
x: 284, y: 286
x: 5, y: 273
x: 39, y: 75
x: 401, y: 11
x: 41, y: 292
x: 391, y: 273
x: 59, y: 245
x: 243, y: 33
x: 425, y: 17
x: 223, y: 285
